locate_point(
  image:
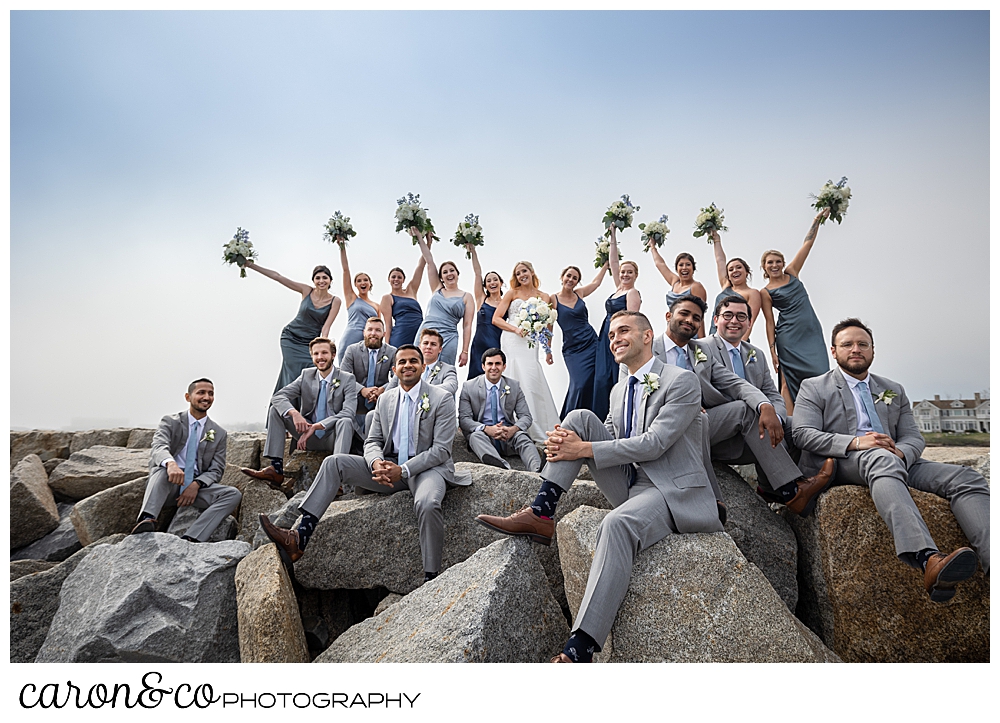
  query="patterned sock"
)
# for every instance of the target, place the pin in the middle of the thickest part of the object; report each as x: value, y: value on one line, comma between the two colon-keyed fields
x: 580, y: 647
x: 306, y: 528
x: 278, y: 463
x: 545, y: 503
x: 788, y: 491
x: 924, y: 555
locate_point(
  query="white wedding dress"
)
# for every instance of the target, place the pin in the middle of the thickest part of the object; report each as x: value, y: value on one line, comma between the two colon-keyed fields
x: 524, y: 366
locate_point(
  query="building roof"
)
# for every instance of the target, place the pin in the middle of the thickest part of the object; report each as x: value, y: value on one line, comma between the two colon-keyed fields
x: 948, y: 403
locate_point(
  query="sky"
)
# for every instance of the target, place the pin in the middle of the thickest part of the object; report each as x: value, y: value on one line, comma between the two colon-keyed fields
x: 141, y: 140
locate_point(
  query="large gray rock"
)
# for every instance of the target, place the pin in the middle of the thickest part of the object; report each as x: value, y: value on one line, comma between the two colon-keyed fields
x: 286, y: 516
x: 492, y: 608
x: 34, y: 600
x: 55, y: 546
x: 33, y: 512
x: 20, y: 568
x: 763, y: 536
x: 460, y: 452
x: 270, y: 629
x: 243, y: 449
x: 109, y: 512
x: 98, y: 468
x: 117, y: 437
x: 47, y: 444
x: 301, y: 468
x: 140, y: 439
x: 692, y: 598
x: 258, y: 499
x: 150, y: 598
x: 187, y: 516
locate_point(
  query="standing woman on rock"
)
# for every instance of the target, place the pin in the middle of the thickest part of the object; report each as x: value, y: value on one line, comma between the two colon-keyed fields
x: 798, y: 349
x: 681, y: 283
x: 448, y: 307
x: 489, y: 292
x: 734, y: 276
x: 400, y: 308
x: 360, y: 308
x: 580, y: 343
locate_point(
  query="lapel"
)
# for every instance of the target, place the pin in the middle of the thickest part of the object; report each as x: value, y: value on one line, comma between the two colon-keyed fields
x: 378, y: 360
x: 847, y: 397
x: 507, y: 401
x: 642, y: 398
x: 421, y: 390
x: 880, y: 407
x: 392, y: 401
x: 203, y: 444
x: 479, y: 398
x: 185, y: 421
x: 720, y: 346
x: 617, y: 405
x: 659, y: 349
x: 692, y: 359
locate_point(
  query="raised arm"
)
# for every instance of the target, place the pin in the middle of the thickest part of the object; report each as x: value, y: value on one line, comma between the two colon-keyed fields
x: 698, y: 289
x: 720, y: 259
x: 478, y: 289
x: 418, y: 275
x: 585, y: 291
x: 633, y: 300
x: 613, y: 258
x: 665, y: 271
x: 754, y: 303
x: 765, y: 309
x: 334, y: 310
x: 498, y: 316
x: 425, y: 252
x: 293, y: 285
x: 795, y: 268
x: 385, y: 311
x: 349, y: 295
x: 470, y: 312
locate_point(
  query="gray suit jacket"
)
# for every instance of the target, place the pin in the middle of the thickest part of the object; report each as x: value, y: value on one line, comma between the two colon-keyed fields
x: 303, y: 395
x: 755, y: 365
x: 669, y: 448
x: 355, y: 362
x: 435, y: 433
x: 170, y: 439
x: 473, y: 400
x: 825, y: 420
x: 442, y: 375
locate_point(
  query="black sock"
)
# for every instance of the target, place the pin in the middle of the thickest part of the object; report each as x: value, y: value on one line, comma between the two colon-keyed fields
x: 924, y: 555
x: 306, y: 528
x: 428, y: 576
x: 788, y: 491
x: 548, y: 496
x: 146, y: 516
x: 580, y: 647
x: 278, y: 463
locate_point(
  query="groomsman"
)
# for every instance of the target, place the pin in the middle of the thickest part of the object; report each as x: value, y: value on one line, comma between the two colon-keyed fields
x: 494, y: 416
x: 647, y: 460
x: 188, y: 459
x: 323, y: 394
x: 866, y: 422
x: 408, y: 447
x: 369, y: 361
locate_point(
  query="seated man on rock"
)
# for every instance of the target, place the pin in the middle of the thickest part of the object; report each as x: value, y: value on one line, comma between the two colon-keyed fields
x: 408, y: 447
x: 323, y: 394
x: 866, y: 422
x: 187, y: 460
x: 494, y: 416
x: 647, y: 460
x: 369, y: 361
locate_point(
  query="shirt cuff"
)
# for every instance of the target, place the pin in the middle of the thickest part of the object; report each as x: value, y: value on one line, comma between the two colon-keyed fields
x: 762, y: 404
x: 481, y: 427
x: 167, y: 461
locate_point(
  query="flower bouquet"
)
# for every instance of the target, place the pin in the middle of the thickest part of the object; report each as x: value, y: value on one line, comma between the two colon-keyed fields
x: 834, y: 196
x: 619, y: 215
x: 410, y: 213
x: 710, y: 219
x: 654, y: 233
x: 536, y: 316
x: 468, y: 232
x: 239, y: 250
x: 604, y: 252
x: 338, y: 229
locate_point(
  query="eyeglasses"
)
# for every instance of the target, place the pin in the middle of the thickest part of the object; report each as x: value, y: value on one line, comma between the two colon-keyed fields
x: 848, y: 345
x: 739, y: 315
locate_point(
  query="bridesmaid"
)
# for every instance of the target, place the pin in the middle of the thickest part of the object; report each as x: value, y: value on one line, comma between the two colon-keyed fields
x: 734, y: 276
x: 448, y: 307
x: 798, y: 350
x: 317, y: 311
x: 682, y: 282
x: 360, y: 308
x: 579, y: 338
x: 488, y: 295
x: 400, y: 308
x: 626, y: 296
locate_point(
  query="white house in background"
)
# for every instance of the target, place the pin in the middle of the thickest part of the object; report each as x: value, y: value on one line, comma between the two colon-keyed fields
x: 953, y: 415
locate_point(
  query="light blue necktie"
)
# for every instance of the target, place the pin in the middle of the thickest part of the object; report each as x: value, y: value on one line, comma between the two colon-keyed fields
x: 371, y: 375
x: 737, y: 364
x: 869, y: 405
x: 404, y: 429
x: 189, y: 455
x: 427, y: 373
x: 681, y: 359
x: 494, y: 416
x: 321, y: 407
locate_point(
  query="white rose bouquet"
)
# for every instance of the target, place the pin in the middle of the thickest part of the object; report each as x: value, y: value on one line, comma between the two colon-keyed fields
x: 603, y: 252
x: 468, y: 232
x: 535, y: 317
x: 338, y: 229
x: 619, y: 214
x: 710, y: 219
x: 834, y: 196
x: 654, y: 233
x: 239, y: 250
x: 410, y: 213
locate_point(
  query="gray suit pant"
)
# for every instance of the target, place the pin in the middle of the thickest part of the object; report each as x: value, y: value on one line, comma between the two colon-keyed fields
x: 886, y: 476
x: 336, y: 440
x: 428, y: 490
x: 706, y: 439
x: 520, y: 444
x: 216, y: 500
x: 640, y: 519
x: 734, y: 429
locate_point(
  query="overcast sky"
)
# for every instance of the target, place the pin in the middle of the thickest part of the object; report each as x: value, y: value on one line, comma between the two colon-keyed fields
x: 140, y: 141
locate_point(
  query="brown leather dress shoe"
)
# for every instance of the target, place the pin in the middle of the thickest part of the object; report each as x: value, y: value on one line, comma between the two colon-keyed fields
x: 147, y: 525
x: 943, y: 572
x: 561, y: 658
x: 804, y: 501
x: 269, y: 474
x: 286, y: 540
x: 523, y: 523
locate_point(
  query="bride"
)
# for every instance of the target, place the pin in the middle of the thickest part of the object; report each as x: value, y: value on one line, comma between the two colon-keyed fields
x: 522, y: 360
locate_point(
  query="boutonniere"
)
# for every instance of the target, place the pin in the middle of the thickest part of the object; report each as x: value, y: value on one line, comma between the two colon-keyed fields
x: 336, y: 383
x: 506, y: 391
x: 650, y: 383
x: 751, y: 356
x: 209, y: 436
x: 699, y: 356
x: 435, y: 370
x: 425, y: 403
x: 887, y: 396
x: 385, y: 358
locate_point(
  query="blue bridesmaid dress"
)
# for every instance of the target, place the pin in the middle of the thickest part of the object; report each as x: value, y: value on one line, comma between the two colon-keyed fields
x: 798, y: 335
x: 358, y: 313
x: 487, y: 337
x: 605, y: 367
x: 295, y: 338
x: 579, y: 350
x: 445, y: 314
x: 406, y: 318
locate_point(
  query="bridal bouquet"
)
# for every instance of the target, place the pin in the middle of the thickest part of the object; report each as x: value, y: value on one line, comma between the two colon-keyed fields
x: 604, y: 252
x: 535, y: 316
x: 410, y: 213
x: 468, y: 232
x: 834, y: 196
x: 239, y: 250
x: 654, y: 233
x: 710, y: 219
x: 619, y: 214
x: 338, y: 229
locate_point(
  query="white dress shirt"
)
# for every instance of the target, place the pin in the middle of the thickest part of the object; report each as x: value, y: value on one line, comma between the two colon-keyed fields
x: 864, y: 423
x: 197, y: 428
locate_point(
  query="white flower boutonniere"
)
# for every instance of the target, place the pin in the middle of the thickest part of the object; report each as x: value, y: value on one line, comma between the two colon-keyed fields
x: 886, y: 397
x: 336, y: 383
x: 650, y: 383
x: 425, y: 403
x: 209, y: 436
x: 751, y: 356
x: 385, y: 358
x: 506, y: 390
x: 699, y: 356
x: 435, y: 371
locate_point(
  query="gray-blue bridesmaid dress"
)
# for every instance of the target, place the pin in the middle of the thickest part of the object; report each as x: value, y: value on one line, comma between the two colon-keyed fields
x: 798, y: 335
x: 445, y: 314
x: 358, y: 313
x: 579, y: 351
x: 295, y: 338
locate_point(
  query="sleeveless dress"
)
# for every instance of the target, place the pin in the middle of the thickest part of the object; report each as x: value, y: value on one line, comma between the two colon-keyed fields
x: 406, y: 318
x: 295, y: 338
x: 487, y: 337
x: 605, y: 367
x: 444, y: 315
x: 728, y: 291
x: 580, y: 354
x: 523, y: 365
x: 358, y: 313
x: 798, y: 335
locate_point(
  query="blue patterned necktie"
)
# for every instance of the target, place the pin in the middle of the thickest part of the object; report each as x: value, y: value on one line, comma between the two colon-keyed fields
x: 737, y: 364
x: 629, y: 414
x: 680, y: 358
x: 371, y: 375
x: 404, y: 429
x: 189, y: 455
x: 869, y: 405
x: 321, y: 407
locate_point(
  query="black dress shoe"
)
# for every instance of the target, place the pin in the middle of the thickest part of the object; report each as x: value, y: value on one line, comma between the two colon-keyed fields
x: 147, y: 525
